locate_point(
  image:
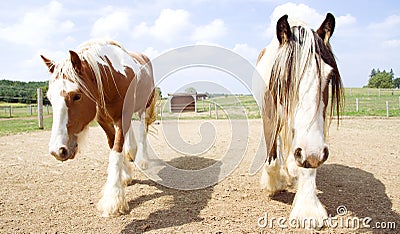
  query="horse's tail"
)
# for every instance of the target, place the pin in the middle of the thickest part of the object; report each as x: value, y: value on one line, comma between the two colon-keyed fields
x: 151, y: 112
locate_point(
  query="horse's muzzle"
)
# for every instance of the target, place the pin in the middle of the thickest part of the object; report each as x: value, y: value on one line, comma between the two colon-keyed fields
x: 310, y: 161
x: 63, y: 153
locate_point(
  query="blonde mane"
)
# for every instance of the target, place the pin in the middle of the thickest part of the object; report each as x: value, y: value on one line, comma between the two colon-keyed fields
x: 101, y: 55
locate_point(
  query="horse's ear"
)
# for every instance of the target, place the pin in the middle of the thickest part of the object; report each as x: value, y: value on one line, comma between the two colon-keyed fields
x: 76, y: 61
x: 283, y: 30
x: 327, y: 27
x: 270, y: 124
x: 49, y: 63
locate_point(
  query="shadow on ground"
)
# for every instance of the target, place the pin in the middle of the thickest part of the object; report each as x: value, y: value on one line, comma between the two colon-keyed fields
x: 186, y: 205
x: 358, y: 191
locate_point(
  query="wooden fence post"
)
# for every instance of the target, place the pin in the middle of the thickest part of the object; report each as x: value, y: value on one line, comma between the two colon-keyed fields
x: 387, y: 109
x: 161, y: 110
x: 216, y: 111
x: 40, y: 107
x: 356, y: 104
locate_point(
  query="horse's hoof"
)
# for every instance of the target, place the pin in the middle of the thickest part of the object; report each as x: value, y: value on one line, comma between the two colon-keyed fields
x: 309, y: 216
x: 130, y: 155
x: 112, y: 205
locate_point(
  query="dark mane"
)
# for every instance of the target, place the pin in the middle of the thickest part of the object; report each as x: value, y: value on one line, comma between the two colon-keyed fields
x: 334, y: 77
x: 292, y: 60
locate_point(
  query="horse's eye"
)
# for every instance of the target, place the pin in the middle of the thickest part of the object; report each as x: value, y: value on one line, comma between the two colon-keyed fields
x: 76, y: 97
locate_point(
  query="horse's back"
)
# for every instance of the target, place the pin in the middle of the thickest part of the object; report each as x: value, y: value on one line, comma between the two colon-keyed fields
x: 144, y: 82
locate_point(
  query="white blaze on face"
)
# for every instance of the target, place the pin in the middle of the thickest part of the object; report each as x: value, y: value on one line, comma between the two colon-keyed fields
x: 59, y: 133
x: 309, y: 121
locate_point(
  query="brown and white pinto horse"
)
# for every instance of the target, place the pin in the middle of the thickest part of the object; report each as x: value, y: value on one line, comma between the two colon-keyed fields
x: 298, y: 68
x: 93, y: 84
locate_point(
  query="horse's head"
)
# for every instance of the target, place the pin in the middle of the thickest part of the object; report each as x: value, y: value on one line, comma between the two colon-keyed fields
x: 301, y: 75
x: 73, y: 109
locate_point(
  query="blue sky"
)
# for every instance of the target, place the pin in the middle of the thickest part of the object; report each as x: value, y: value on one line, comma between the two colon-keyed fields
x: 367, y: 33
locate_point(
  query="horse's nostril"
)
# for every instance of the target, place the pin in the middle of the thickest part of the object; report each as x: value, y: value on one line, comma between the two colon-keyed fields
x: 297, y: 153
x: 325, y: 154
x: 63, y: 152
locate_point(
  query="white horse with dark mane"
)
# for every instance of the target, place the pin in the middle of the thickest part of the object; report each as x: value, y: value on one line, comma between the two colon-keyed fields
x: 298, y: 68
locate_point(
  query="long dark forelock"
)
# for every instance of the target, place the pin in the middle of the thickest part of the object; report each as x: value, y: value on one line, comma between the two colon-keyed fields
x: 335, y: 81
x: 291, y: 62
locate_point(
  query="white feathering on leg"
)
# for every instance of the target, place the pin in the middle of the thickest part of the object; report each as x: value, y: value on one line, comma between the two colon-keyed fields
x: 307, y: 209
x: 274, y: 177
x: 113, y: 201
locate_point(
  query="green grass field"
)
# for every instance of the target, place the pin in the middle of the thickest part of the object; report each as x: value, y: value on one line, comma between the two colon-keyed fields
x: 13, y: 126
x: 371, y: 102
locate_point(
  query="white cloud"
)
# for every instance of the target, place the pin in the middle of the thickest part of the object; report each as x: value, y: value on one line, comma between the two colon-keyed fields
x: 169, y: 25
x: 151, y: 52
x: 391, y: 44
x: 210, y: 32
x: 37, y: 26
x: 247, y: 52
x: 391, y: 22
x: 345, y: 20
x: 294, y: 11
x: 386, y: 32
x: 111, y: 25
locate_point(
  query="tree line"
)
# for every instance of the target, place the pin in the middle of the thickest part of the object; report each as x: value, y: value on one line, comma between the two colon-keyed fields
x: 22, y: 92
x: 383, y: 79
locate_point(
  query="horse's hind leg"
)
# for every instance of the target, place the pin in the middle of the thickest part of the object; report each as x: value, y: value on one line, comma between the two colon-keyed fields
x: 141, y: 156
x: 130, y: 146
x: 130, y: 149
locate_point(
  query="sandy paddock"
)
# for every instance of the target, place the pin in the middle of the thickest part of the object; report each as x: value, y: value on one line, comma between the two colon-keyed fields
x: 40, y: 194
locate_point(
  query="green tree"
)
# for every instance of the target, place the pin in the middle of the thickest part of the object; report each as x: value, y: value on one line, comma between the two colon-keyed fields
x: 396, y: 83
x: 158, y: 91
x: 373, y: 73
x: 191, y: 90
x: 382, y: 80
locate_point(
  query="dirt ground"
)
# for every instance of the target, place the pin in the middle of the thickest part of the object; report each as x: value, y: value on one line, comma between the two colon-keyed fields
x: 41, y: 195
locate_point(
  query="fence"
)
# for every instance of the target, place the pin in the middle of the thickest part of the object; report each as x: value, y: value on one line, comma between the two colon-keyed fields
x: 372, y: 102
x: 8, y: 111
x: 358, y: 102
x: 222, y: 107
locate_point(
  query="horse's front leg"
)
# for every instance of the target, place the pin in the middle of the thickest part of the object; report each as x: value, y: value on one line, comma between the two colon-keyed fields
x: 113, y: 201
x: 307, y: 209
x: 274, y: 177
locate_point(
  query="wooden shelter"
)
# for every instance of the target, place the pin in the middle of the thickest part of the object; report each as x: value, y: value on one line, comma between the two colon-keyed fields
x: 184, y: 102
